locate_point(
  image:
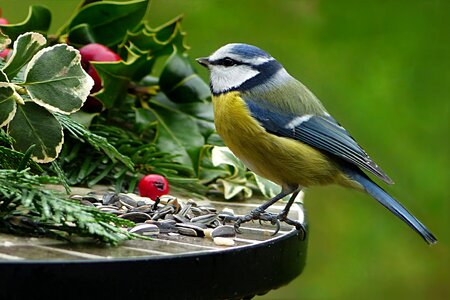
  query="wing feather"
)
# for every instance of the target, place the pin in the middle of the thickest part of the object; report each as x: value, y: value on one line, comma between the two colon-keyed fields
x: 319, y: 131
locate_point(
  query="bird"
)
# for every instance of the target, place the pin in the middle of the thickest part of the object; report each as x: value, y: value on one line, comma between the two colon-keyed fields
x: 281, y: 131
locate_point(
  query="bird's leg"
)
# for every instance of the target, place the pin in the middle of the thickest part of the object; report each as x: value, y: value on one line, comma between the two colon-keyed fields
x: 256, y: 213
x: 260, y: 213
x: 282, y: 216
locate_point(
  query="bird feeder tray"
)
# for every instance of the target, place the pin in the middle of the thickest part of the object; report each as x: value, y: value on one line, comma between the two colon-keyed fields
x: 166, y: 267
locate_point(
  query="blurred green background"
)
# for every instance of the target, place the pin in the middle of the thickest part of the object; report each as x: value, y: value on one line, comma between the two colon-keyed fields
x: 382, y: 69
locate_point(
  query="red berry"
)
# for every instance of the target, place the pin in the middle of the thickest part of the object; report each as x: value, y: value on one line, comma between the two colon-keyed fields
x: 3, y: 21
x: 4, y: 53
x: 96, y: 52
x: 153, y: 186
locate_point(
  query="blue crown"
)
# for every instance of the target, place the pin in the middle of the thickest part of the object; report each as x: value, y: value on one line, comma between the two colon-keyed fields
x: 248, y: 51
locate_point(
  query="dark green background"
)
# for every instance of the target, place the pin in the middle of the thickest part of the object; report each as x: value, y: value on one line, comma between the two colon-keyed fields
x: 382, y: 69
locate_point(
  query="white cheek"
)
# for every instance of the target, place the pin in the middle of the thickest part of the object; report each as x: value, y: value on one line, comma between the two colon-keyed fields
x: 226, y: 78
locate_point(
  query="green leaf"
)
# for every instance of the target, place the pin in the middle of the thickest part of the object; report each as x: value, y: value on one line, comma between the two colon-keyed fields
x: 82, y: 35
x: 33, y: 124
x: 116, y: 77
x: 55, y: 79
x: 8, y: 106
x: 200, y: 111
x: 25, y: 47
x: 4, y: 41
x: 223, y: 155
x: 83, y: 118
x: 267, y: 187
x: 236, y: 181
x: 233, y: 188
x: 11, y: 159
x: 98, y: 142
x: 178, y: 134
x: 38, y: 20
x: 109, y: 21
x: 180, y: 82
x: 158, y: 41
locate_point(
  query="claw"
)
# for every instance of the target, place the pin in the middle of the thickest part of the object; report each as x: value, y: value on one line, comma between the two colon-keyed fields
x: 278, y: 223
x: 236, y: 227
x: 298, y: 226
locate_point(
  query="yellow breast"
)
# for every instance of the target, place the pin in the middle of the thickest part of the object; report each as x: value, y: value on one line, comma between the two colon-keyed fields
x: 282, y: 160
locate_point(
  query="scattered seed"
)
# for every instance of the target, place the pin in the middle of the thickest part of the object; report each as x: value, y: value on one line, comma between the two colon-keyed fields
x: 180, y: 219
x: 86, y: 202
x: 145, y: 229
x: 187, y: 231
x: 136, y: 217
x: 205, y: 219
x: 165, y: 215
x: 197, y: 227
x: 110, y: 198
x: 110, y: 210
x: 224, y: 231
x: 208, y: 232
x: 127, y: 201
x: 223, y: 241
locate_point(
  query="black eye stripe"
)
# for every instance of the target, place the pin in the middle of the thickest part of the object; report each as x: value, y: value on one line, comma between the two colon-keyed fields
x: 227, y: 62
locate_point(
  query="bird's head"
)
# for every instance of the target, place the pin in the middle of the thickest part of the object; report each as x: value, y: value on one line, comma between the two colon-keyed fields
x: 239, y: 67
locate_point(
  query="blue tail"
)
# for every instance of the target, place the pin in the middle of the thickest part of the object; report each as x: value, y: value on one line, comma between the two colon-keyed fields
x: 390, y: 203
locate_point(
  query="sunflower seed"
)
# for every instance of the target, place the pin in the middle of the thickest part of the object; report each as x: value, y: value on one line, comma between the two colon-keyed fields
x: 224, y: 231
x: 124, y: 199
x: 110, y: 198
x: 145, y: 229
x: 136, y: 217
x: 186, y: 228
x: 205, y: 219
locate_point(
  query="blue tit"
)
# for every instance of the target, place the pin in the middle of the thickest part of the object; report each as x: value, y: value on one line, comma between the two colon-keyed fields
x: 282, y: 132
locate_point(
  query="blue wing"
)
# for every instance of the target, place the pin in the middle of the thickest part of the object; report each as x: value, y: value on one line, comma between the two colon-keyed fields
x: 322, y: 132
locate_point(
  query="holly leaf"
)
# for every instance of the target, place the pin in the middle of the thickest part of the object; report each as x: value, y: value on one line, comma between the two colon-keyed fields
x: 180, y: 82
x: 38, y: 20
x: 108, y: 21
x: 81, y: 35
x: 24, y: 48
x: 158, y: 41
x: 116, y: 77
x: 34, y: 125
x: 55, y: 79
x: 177, y: 133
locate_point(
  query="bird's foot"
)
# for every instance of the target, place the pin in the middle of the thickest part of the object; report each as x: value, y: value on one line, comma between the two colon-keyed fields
x: 263, y: 216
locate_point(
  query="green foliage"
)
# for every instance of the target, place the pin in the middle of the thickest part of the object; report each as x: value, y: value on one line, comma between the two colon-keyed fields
x: 106, y: 22
x: 34, y: 125
x: 26, y: 206
x: 51, y: 80
x: 99, y: 143
x: 38, y: 20
x: 150, y: 120
x: 235, y: 179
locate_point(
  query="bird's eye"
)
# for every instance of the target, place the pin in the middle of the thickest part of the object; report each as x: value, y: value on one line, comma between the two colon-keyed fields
x: 228, y: 62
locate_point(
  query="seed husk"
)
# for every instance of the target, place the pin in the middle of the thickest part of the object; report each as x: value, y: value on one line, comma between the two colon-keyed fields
x: 224, y: 231
x: 145, y: 229
x: 136, y: 217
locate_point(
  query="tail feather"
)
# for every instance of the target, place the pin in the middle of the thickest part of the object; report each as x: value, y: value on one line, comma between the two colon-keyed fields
x: 393, y: 205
